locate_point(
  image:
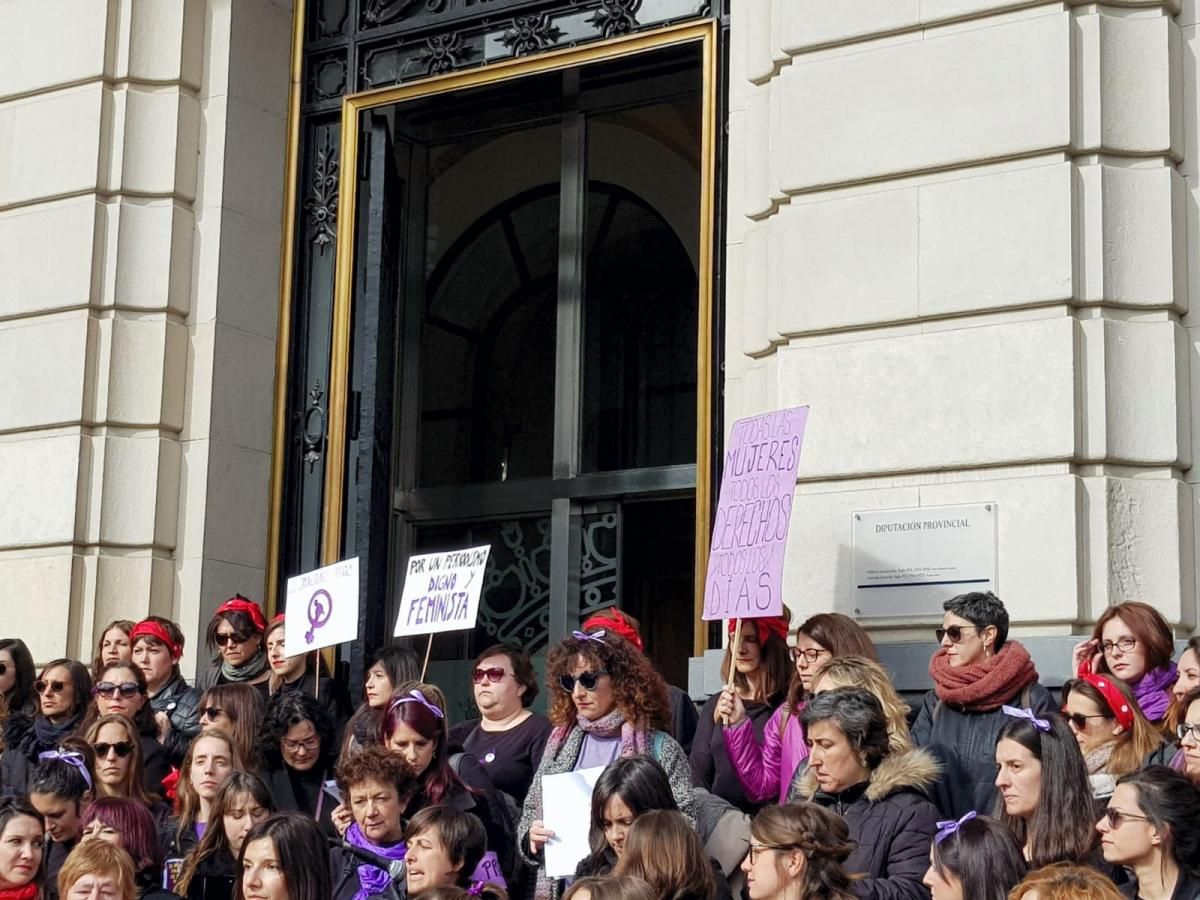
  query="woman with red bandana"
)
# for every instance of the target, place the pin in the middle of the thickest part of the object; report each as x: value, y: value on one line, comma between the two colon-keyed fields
x: 759, y: 663
x: 235, y: 635
x: 157, y: 650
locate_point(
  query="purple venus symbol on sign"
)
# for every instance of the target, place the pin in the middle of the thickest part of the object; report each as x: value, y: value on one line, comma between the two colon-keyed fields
x: 320, y: 608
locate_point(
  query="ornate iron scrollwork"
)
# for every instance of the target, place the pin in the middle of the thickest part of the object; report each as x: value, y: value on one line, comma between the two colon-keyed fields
x: 312, y: 427
x: 445, y: 52
x: 616, y: 17
x: 322, y: 204
x: 529, y: 34
x: 381, y: 12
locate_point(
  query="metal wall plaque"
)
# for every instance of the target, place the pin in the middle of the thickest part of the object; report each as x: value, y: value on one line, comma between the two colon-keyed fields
x: 907, y: 562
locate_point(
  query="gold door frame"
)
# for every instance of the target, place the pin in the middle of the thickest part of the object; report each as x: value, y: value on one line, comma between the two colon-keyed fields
x: 354, y: 105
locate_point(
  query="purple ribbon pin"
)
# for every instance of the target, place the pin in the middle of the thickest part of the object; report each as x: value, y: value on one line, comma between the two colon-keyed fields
x: 951, y: 826
x: 597, y: 636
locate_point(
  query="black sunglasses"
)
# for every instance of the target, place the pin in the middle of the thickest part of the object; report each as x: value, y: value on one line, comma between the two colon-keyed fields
x: 589, y: 680
x: 1116, y: 817
x: 212, y: 712
x: 1079, y: 720
x: 56, y: 687
x: 223, y: 639
x: 954, y: 632
x: 493, y: 674
x: 121, y: 748
x: 127, y: 689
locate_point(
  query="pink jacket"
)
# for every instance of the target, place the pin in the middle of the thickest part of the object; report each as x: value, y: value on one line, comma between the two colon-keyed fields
x: 766, y: 771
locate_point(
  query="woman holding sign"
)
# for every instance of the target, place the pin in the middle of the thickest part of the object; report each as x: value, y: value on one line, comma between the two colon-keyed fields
x: 757, y: 663
x: 608, y: 703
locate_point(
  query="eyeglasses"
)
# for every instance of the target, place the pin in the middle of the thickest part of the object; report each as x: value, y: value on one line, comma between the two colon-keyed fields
x: 121, y: 748
x: 1124, y: 644
x: 589, y: 680
x: 1079, y: 720
x: 212, y: 712
x: 55, y: 687
x: 810, y: 655
x: 1116, y: 817
x: 1183, y: 729
x: 234, y: 638
x: 127, y: 689
x: 308, y: 745
x: 954, y: 632
x: 493, y: 674
x: 756, y: 849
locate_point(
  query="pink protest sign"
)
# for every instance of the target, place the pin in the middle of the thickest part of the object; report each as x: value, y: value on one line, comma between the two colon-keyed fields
x: 745, y: 561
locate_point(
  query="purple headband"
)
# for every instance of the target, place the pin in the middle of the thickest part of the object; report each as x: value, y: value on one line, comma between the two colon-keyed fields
x: 475, y: 889
x: 951, y: 826
x: 415, y: 696
x: 597, y: 636
x: 1017, y: 713
x: 71, y: 758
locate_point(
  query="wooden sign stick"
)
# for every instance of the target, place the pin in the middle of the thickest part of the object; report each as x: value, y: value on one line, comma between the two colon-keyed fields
x: 428, y: 648
x: 737, y: 636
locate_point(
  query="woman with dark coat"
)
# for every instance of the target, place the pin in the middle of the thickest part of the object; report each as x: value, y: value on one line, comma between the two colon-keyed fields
x: 64, y: 689
x: 235, y: 635
x: 882, y: 795
x: 304, y: 673
x: 300, y: 749
x: 976, y: 671
x: 123, y: 690
x: 210, y: 870
x: 157, y: 649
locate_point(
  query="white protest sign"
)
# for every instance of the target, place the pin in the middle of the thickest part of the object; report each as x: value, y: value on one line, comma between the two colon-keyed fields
x: 322, y: 608
x: 567, y: 811
x: 441, y: 592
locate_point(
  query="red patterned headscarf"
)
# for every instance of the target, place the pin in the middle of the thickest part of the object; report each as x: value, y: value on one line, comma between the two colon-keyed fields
x: 767, y: 626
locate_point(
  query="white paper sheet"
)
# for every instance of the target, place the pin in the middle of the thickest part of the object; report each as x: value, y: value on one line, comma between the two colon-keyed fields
x: 567, y: 811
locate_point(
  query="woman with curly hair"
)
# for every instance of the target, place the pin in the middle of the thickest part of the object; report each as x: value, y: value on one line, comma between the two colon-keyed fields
x: 607, y: 703
x: 799, y: 845
x: 757, y: 667
x: 301, y: 750
x: 766, y: 763
x: 414, y: 726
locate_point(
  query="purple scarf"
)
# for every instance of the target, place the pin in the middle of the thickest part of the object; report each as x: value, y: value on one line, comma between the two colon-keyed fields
x: 1153, y: 692
x: 372, y: 879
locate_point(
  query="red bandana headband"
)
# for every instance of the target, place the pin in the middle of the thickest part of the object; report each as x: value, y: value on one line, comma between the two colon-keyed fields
x: 613, y: 620
x: 242, y: 605
x: 1111, y: 694
x: 767, y: 626
x: 156, y: 631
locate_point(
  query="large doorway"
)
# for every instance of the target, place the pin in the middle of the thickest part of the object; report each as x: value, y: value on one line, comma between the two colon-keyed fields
x: 535, y: 247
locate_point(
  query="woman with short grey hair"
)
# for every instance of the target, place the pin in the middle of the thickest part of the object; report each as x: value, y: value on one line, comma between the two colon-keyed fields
x: 882, y: 794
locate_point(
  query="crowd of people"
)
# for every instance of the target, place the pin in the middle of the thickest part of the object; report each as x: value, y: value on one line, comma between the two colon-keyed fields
x: 808, y: 776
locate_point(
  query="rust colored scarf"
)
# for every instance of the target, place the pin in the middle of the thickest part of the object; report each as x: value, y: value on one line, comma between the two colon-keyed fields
x: 985, y: 686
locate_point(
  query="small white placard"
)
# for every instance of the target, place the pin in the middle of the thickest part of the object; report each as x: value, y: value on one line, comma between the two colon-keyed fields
x: 322, y: 608
x: 907, y: 562
x: 441, y: 591
x: 567, y: 811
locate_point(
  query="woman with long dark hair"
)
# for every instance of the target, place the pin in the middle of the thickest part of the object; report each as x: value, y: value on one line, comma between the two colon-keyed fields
x: 300, y: 750
x: 235, y: 637
x: 1045, y: 797
x: 415, y: 727
x: 626, y: 789
x: 1149, y: 829
x: 17, y: 675
x: 608, y: 703
x: 210, y: 870
x: 663, y: 850
x: 766, y: 766
x: 757, y: 661
x: 64, y: 689
x: 1133, y: 642
x: 22, y: 848
x: 157, y: 649
x: 1113, y: 735
x: 391, y: 667
x: 973, y: 858
x: 284, y: 858
x: 798, y: 850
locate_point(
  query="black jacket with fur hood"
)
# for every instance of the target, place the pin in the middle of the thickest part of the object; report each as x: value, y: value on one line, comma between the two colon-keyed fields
x: 891, y: 821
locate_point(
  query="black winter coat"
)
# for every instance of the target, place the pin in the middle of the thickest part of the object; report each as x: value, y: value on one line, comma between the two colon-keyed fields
x: 892, y: 823
x: 965, y: 743
x: 182, y: 706
x: 24, y: 739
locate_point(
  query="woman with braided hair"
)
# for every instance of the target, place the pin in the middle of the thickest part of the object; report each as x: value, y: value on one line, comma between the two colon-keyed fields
x: 607, y: 703
x: 802, y: 845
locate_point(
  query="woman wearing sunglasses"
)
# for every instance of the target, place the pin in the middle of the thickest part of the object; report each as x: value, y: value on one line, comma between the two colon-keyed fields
x: 757, y: 663
x: 237, y: 710
x: 63, y: 689
x: 766, y: 765
x: 122, y: 690
x: 976, y: 671
x: 608, y: 703
x: 509, y: 737
x: 798, y: 850
x: 157, y: 649
x: 415, y: 727
x: 119, y: 773
x: 1133, y: 642
x: 300, y: 750
x: 1112, y: 733
x: 1150, y: 829
x: 235, y: 637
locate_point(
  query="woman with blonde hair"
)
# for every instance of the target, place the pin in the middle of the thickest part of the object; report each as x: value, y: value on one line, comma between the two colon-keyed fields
x: 1113, y: 735
x: 663, y: 850
x: 97, y: 869
x: 1065, y: 881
